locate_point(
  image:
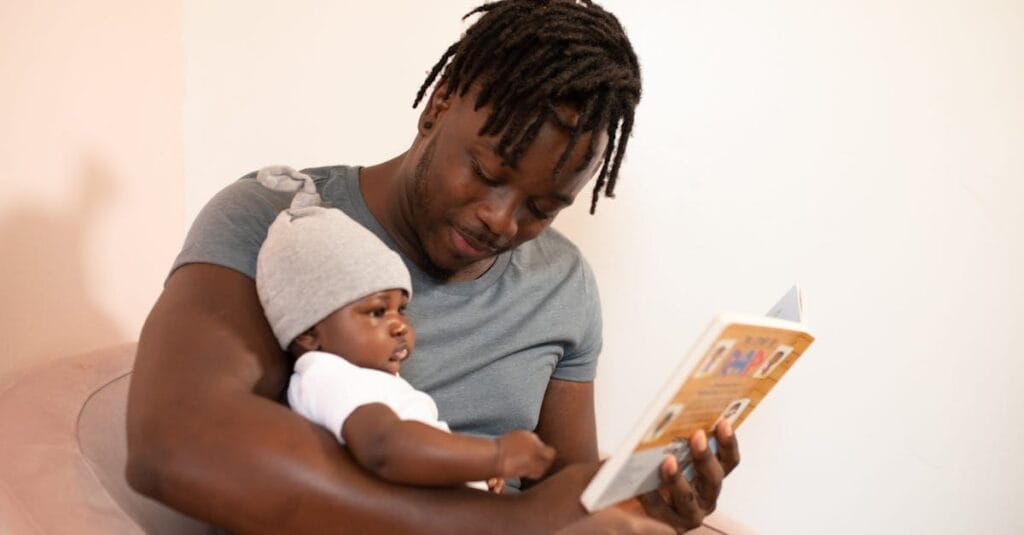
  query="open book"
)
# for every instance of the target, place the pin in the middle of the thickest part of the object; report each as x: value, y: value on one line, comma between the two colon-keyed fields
x: 726, y: 374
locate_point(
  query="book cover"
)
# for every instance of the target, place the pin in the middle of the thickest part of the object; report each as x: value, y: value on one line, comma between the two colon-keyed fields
x: 725, y: 376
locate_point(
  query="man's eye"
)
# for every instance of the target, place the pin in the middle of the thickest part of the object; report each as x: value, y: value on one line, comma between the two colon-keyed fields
x: 480, y: 175
x: 537, y: 212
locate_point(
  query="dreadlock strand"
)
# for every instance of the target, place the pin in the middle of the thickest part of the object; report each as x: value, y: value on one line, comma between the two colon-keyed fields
x: 512, y: 130
x: 602, y: 176
x: 609, y: 150
x: 433, y: 73
x: 529, y: 135
x: 626, y: 127
x: 590, y: 120
x: 491, y: 40
x: 574, y: 137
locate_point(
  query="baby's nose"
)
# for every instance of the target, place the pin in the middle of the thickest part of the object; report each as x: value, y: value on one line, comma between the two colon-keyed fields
x: 399, y: 328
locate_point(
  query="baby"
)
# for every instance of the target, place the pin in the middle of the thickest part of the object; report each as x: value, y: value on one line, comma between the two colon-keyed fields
x: 335, y: 296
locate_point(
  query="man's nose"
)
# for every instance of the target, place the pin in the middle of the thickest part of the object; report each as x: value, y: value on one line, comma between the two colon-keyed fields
x: 499, y: 215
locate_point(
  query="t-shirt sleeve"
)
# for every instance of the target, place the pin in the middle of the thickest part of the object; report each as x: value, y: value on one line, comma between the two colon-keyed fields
x: 579, y: 363
x: 230, y: 229
x: 326, y: 389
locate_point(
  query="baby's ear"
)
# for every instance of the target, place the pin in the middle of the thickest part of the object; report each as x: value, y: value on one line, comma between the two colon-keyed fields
x: 307, y: 341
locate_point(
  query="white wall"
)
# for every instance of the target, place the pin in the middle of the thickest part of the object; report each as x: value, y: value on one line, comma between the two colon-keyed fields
x: 870, y: 151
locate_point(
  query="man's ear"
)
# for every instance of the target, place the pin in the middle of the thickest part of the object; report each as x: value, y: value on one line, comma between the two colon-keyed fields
x: 307, y: 341
x: 435, y: 107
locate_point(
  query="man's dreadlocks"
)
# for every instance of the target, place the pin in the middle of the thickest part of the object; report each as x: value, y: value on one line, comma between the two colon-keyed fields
x: 530, y: 56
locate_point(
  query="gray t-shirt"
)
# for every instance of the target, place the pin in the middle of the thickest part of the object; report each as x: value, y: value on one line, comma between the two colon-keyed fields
x: 486, y: 348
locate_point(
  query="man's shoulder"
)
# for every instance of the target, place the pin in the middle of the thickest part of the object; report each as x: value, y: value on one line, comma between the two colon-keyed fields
x: 551, y: 247
x: 247, y: 196
x: 231, y: 227
x: 336, y: 185
x: 552, y: 256
x: 327, y: 173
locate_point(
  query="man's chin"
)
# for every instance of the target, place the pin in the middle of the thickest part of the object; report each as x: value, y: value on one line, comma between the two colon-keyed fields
x: 453, y: 267
x: 438, y: 267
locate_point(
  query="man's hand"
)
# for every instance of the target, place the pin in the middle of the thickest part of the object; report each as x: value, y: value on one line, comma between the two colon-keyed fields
x: 523, y: 454
x: 683, y: 504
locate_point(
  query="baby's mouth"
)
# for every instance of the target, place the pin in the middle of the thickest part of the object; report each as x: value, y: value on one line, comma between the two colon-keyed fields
x: 400, y: 354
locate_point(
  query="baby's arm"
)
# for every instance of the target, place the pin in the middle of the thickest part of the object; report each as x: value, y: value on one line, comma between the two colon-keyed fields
x: 411, y: 452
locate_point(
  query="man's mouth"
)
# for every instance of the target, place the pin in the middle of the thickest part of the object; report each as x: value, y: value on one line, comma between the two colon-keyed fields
x: 470, y: 246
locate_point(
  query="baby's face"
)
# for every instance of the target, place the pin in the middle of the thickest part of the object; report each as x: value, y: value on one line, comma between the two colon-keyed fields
x: 372, y: 332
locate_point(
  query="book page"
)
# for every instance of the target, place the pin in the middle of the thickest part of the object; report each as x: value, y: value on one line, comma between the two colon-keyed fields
x: 790, y: 307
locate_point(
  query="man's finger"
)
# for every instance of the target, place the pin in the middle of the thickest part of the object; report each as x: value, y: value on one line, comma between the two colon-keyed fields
x: 728, y: 447
x: 680, y: 508
x: 707, y: 482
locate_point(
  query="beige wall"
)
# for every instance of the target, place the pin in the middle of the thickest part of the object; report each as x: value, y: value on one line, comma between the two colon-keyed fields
x: 91, y: 149
x: 869, y: 150
x: 306, y: 83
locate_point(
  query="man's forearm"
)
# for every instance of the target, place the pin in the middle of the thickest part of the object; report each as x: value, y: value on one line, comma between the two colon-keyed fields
x: 271, y: 471
x: 204, y: 438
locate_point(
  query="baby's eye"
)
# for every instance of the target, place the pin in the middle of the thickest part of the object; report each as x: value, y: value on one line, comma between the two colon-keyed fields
x: 401, y: 310
x: 378, y: 312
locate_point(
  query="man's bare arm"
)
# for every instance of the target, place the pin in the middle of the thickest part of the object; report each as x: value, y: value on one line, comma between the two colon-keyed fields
x: 412, y: 452
x: 206, y: 437
x: 567, y: 422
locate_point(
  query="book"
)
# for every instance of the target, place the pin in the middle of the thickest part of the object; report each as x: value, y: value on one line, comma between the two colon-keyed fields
x: 725, y: 376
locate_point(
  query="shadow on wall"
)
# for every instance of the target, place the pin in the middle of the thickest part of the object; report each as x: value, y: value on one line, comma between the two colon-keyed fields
x: 48, y: 310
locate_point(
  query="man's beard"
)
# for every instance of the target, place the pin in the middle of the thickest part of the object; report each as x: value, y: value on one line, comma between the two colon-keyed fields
x: 421, y: 194
x: 420, y: 206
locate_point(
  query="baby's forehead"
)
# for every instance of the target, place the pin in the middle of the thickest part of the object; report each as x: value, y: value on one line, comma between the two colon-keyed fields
x: 385, y: 294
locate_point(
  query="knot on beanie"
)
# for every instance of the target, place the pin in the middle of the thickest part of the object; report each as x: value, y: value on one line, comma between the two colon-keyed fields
x: 284, y: 178
x: 316, y: 260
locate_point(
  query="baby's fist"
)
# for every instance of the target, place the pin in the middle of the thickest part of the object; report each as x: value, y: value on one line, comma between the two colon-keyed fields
x: 523, y: 454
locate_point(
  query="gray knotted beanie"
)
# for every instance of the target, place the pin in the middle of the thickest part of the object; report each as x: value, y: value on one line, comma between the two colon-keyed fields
x: 316, y: 260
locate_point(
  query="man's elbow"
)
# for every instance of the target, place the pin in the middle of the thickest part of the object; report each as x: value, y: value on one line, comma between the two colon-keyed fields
x: 158, y: 453
x: 141, y: 476
x: 143, y: 469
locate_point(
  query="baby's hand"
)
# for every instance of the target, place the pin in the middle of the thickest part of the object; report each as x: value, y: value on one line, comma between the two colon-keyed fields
x: 522, y: 454
x: 496, y: 485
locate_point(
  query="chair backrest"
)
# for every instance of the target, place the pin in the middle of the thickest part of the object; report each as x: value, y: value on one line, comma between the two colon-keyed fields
x: 63, y: 449
x: 103, y: 442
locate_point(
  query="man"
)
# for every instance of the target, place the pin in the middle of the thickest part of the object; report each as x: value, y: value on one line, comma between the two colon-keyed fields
x: 534, y: 100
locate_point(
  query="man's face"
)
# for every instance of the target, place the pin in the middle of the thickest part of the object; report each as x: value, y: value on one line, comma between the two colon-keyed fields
x: 467, y: 208
x: 371, y: 332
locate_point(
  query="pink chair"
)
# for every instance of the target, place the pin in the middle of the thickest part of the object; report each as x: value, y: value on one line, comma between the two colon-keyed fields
x: 63, y: 449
